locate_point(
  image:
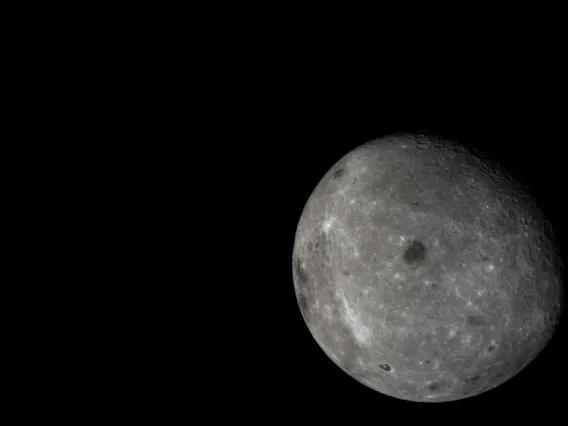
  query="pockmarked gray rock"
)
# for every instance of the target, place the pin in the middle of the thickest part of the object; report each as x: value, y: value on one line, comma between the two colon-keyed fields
x: 425, y: 271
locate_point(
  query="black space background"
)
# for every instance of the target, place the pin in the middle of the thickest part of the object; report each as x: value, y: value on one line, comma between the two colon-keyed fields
x: 280, y: 106
x: 308, y: 123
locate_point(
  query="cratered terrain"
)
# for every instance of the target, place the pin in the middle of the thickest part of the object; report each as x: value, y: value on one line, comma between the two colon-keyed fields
x: 425, y: 271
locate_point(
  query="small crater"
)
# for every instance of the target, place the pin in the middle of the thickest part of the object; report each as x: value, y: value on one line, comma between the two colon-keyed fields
x: 301, y: 273
x: 475, y: 320
x: 415, y: 203
x: 491, y: 347
x: 385, y: 367
x: 322, y: 244
x: 310, y: 246
x: 354, y: 181
x: 472, y: 380
x: 339, y: 173
x: 303, y: 303
x: 350, y: 365
x: 427, y: 362
x: 434, y: 386
x: 415, y: 252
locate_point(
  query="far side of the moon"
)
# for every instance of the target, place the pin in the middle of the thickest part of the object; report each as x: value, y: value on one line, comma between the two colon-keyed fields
x: 425, y: 272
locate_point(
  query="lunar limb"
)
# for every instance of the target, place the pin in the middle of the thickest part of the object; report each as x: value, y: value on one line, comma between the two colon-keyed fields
x: 425, y: 272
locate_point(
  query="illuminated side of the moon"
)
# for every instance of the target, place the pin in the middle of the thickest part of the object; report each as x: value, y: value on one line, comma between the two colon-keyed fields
x: 424, y: 272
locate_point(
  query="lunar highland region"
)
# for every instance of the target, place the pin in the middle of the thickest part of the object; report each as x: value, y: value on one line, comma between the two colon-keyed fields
x: 425, y: 271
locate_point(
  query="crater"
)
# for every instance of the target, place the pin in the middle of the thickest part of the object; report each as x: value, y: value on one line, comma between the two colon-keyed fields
x: 322, y: 244
x: 475, y: 320
x: 435, y: 386
x: 301, y: 273
x: 414, y: 253
x: 339, y: 173
x: 472, y: 380
x: 303, y: 303
x: 385, y: 367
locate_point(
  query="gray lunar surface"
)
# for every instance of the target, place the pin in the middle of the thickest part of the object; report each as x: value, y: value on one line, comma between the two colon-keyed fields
x: 424, y: 271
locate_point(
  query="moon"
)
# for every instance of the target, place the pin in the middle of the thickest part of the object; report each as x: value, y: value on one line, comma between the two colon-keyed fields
x: 425, y: 271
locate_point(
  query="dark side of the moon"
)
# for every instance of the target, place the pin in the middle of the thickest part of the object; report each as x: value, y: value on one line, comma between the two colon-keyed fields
x: 425, y: 268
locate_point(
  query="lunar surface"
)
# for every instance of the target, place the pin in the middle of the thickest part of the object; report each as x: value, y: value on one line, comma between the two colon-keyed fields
x: 424, y: 271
